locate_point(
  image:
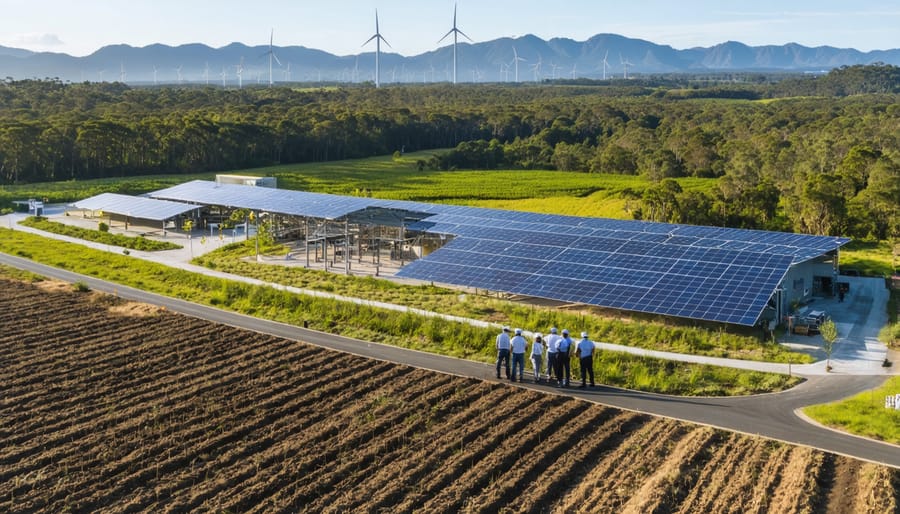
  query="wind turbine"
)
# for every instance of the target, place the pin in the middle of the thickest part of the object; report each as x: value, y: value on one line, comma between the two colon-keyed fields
x: 287, y: 73
x: 378, y: 39
x: 536, y: 69
x: 272, y: 55
x: 456, y: 32
x: 178, y: 73
x: 625, y: 65
x: 516, y: 60
x: 100, y: 74
x: 223, y: 74
x: 206, y: 73
x: 155, y: 70
x: 605, y: 64
x: 574, y: 71
x: 122, y: 74
x: 239, y: 69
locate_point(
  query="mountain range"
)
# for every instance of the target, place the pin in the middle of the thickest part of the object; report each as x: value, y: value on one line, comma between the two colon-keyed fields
x: 489, y: 61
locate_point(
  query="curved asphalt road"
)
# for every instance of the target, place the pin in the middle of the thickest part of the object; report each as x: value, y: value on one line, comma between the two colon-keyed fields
x: 772, y: 415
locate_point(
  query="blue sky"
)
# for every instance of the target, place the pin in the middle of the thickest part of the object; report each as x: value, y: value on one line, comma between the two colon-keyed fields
x: 80, y: 27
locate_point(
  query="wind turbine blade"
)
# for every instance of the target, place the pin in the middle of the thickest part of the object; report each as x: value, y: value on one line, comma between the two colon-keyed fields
x: 369, y: 40
x: 385, y: 42
x: 464, y: 35
x: 447, y: 34
x: 276, y: 58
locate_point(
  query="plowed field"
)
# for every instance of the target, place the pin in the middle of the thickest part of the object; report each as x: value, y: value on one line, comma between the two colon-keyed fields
x: 116, y: 407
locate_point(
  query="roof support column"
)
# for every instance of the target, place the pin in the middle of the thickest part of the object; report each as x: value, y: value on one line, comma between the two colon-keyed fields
x: 347, y: 246
x: 306, y: 238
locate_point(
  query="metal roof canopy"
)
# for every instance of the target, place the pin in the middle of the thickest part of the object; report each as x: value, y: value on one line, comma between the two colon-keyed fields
x: 385, y: 216
x: 134, y: 206
x: 717, y: 274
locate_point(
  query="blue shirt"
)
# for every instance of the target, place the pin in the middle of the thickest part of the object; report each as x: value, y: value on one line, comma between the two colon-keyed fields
x: 564, y: 344
x: 585, y: 347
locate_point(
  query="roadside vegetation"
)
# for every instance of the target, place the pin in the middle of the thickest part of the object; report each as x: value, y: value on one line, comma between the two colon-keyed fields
x: 863, y: 414
x: 371, y: 324
x: 99, y: 236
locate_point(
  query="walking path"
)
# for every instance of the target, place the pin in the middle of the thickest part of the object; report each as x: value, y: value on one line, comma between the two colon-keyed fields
x: 857, y: 351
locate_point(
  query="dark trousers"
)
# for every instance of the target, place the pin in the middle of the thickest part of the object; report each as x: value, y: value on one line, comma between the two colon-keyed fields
x: 551, y: 365
x: 563, y: 367
x: 503, y: 356
x: 587, y: 369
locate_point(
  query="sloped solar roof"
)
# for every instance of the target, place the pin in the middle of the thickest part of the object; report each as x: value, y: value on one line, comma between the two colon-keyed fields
x: 716, y: 274
x: 134, y: 206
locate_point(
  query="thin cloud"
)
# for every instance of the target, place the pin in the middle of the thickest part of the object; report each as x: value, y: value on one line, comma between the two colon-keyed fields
x: 34, y: 39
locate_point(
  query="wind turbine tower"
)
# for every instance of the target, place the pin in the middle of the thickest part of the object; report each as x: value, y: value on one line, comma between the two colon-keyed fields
x: 272, y: 55
x: 625, y: 65
x: 122, y: 74
x: 378, y: 39
x: 605, y: 64
x: 456, y: 32
x: 239, y: 69
x: 516, y: 60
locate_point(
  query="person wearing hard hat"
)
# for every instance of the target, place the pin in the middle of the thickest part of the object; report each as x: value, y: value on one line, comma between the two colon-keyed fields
x: 503, y: 346
x: 552, y: 342
x: 563, y: 367
x: 518, y: 355
x: 537, y: 356
x: 585, y: 351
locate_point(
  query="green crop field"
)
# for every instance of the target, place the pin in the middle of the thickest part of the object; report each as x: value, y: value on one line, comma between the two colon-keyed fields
x: 556, y: 192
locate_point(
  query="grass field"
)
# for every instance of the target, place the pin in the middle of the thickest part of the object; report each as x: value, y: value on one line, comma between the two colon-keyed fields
x: 863, y: 414
x: 557, y: 192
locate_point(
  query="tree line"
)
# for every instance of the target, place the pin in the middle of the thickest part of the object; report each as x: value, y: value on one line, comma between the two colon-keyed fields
x: 809, y: 154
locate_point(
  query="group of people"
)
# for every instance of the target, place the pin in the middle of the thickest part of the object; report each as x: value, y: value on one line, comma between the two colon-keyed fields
x: 557, y: 347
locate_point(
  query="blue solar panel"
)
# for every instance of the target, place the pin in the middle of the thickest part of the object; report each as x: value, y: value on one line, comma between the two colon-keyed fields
x: 711, y: 273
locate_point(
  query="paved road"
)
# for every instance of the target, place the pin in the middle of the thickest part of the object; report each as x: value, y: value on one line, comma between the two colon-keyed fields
x: 771, y: 416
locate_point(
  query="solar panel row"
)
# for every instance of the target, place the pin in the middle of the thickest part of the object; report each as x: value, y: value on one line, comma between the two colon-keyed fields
x: 709, y: 273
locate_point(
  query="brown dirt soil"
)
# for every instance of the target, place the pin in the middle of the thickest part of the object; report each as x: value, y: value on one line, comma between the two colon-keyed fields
x: 112, y: 406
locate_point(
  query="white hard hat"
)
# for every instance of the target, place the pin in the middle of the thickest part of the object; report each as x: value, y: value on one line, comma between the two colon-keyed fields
x: 584, y: 334
x: 518, y: 331
x: 565, y: 331
x: 553, y: 330
x: 506, y: 329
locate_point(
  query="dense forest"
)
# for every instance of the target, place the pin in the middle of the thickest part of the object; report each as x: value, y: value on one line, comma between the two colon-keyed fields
x: 809, y: 154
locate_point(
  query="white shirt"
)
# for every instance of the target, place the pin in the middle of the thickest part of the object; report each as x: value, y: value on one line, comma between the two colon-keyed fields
x: 503, y: 341
x: 518, y: 344
x: 537, y: 348
x: 585, y: 347
x: 553, y: 342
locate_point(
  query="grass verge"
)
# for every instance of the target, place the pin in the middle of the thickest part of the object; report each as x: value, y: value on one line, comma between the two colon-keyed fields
x: 120, y: 240
x: 372, y: 324
x: 863, y: 414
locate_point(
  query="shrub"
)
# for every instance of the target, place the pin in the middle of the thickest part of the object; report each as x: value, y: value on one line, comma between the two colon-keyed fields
x: 102, y: 227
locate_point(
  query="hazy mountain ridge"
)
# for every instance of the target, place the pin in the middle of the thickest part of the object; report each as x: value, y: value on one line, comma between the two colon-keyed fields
x: 489, y: 61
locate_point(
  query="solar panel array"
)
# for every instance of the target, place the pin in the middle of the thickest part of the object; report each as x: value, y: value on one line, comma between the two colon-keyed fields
x: 134, y: 207
x: 708, y: 273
